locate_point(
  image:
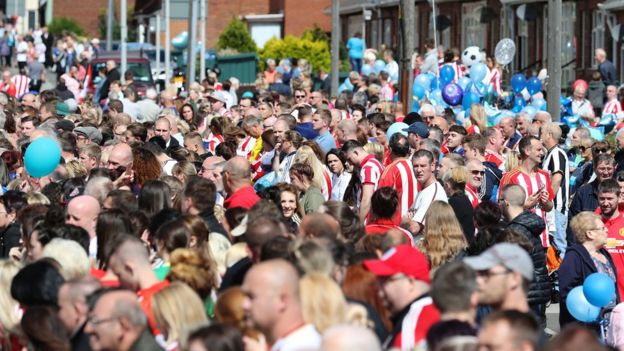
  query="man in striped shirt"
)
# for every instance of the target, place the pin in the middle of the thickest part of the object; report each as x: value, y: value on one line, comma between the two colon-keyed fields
x: 534, y: 181
x: 612, y: 106
x: 370, y: 173
x: 400, y: 174
x: 556, y: 163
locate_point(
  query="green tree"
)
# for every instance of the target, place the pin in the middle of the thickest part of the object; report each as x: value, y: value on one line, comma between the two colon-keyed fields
x: 236, y: 37
x: 64, y: 24
x: 316, y: 52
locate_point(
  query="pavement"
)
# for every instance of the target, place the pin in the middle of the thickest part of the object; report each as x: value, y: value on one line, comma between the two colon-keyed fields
x: 552, y: 319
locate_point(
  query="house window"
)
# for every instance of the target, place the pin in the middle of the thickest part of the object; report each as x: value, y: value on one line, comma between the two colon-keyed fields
x: 568, y: 43
x: 598, y: 31
x: 474, y: 32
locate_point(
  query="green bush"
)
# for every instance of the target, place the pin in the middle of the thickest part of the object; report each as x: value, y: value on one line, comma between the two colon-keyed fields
x: 64, y: 24
x: 236, y: 37
x: 315, y: 51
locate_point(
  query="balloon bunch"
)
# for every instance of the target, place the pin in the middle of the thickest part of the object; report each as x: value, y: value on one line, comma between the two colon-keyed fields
x: 443, y: 91
x: 585, y: 302
x: 525, y: 90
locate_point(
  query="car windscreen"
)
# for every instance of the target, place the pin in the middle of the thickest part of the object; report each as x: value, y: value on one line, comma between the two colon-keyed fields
x: 141, y: 70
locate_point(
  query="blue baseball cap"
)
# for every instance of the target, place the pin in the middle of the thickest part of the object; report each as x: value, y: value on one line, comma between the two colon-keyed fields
x: 418, y: 128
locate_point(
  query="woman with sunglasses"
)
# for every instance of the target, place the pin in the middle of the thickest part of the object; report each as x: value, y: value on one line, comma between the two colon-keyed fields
x: 584, y: 152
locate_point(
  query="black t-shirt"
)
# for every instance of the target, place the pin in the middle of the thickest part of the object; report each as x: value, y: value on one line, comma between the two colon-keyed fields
x: 464, y: 213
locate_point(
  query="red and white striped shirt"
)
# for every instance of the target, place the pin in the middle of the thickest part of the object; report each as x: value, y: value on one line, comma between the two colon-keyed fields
x: 327, y: 184
x: 21, y: 85
x: 370, y: 171
x: 246, y: 146
x: 472, y: 195
x: 494, y: 157
x: 495, y: 80
x: 531, y: 185
x: 612, y: 107
x: 212, y: 142
x: 400, y: 176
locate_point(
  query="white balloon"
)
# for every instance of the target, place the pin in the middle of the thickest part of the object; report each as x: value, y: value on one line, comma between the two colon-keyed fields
x: 505, y: 51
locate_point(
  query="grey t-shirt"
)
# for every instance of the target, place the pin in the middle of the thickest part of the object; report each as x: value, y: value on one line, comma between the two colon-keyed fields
x: 35, y: 69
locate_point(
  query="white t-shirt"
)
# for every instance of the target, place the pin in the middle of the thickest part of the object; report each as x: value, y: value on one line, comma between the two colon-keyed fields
x: 425, y: 197
x: 22, y: 52
x: 302, y: 339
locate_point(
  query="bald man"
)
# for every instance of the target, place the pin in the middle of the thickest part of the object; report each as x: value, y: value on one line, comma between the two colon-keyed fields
x: 129, y: 260
x: 350, y: 337
x: 236, y: 182
x: 116, y: 322
x: 83, y: 211
x: 346, y: 130
x: 508, y: 128
x: 541, y: 118
x: 273, y: 305
x: 606, y: 67
x: 119, y: 161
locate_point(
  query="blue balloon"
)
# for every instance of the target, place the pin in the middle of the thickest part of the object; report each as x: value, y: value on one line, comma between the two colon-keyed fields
x: 367, y: 70
x: 530, y: 110
x: 469, y: 99
x: 418, y: 91
x: 42, y: 156
x: 599, y: 289
x: 435, y: 83
x: 452, y: 94
x: 463, y: 82
x: 478, y: 72
x: 519, y: 101
x: 342, y: 88
x: 534, y: 85
x: 396, y: 128
x: 180, y: 41
x: 447, y: 74
x: 518, y: 82
x: 424, y: 80
x: 380, y: 65
x: 580, y: 308
x: 539, y: 103
x: 436, y: 98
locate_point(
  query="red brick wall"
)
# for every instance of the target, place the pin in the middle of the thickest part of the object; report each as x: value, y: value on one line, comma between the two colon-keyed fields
x: 300, y: 15
x: 85, y: 12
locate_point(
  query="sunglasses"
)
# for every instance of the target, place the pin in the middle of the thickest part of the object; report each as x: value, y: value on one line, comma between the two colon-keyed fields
x: 602, y: 151
x: 620, y: 178
x: 476, y: 172
x: 299, y: 96
x: 582, y: 148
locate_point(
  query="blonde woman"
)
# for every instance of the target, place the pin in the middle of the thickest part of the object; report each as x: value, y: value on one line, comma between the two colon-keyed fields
x: 75, y: 169
x: 10, y: 313
x: 376, y: 149
x: 322, y: 301
x: 177, y: 310
x: 478, y: 120
x: 443, y: 239
x: 322, y: 176
x: 183, y: 169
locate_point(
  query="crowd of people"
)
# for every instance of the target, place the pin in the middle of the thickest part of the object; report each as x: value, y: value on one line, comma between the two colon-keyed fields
x: 284, y: 218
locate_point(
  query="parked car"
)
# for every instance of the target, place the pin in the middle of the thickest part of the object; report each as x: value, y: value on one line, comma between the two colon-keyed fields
x: 137, y: 62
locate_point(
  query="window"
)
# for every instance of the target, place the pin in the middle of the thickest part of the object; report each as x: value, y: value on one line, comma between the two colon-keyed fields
x: 568, y: 43
x: 474, y: 32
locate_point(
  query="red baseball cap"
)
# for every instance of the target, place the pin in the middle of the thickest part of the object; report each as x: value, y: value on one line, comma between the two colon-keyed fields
x: 401, y: 259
